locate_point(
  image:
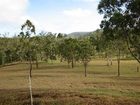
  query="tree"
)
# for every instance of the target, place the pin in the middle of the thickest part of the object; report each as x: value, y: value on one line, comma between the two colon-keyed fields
x: 60, y: 36
x: 122, y: 16
x: 26, y: 43
x: 102, y: 46
x: 119, y: 47
x: 49, y: 46
x: 27, y: 47
x: 68, y: 50
x: 37, y: 48
x: 59, y: 45
x: 108, y: 49
x: 2, y: 50
x: 85, y: 52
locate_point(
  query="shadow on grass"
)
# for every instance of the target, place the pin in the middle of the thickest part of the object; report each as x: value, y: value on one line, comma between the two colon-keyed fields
x: 52, y: 67
x: 37, y: 75
x: 125, y: 78
x: 47, y: 75
x: 102, y: 73
x: 56, y: 97
x: 112, y: 92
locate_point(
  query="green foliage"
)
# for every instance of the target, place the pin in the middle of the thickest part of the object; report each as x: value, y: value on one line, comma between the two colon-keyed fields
x: 0, y: 58
x: 85, y: 50
x: 26, y: 43
x: 49, y: 46
x: 121, y: 19
x: 67, y: 49
x: 96, y: 40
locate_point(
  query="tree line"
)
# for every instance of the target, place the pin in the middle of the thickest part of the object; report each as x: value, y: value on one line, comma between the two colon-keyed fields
x: 31, y: 48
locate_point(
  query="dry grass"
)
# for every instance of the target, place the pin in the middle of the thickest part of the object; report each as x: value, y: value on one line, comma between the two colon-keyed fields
x: 102, y: 81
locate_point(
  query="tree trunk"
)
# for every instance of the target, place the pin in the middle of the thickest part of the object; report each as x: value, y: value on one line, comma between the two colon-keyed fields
x: 30, y: 78
x: 129, y: 48
x: 138, y: 68
x: 30, y: 61
x: 118, y: 63
x: 111, y: 60
x: 3, y: 59
x: 72, y: 64
x: 36, y: 62
x: 107, y: 58
x: 85, y: 66
x: 61, y: 59
x: 30, y: 88
x: 108, y: 61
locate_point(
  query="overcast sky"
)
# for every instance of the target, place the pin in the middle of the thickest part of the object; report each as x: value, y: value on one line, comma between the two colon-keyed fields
x: 55, y: 16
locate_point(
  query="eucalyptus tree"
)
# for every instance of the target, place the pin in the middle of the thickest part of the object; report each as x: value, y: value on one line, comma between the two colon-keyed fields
x: 60, y: 36
x: 26, y: 42
x: 108, y: 49
x: 61, y: 48
x: 120, y: 48
x: 60, y: 45
x: 11, y: 50
x: 122, y: 16
x: 85, y: 52
x: 68, y: 50
x: 49, y: 46
x: 102, y: 46
x: 2, y: 50
x: 5, y: 50
x: 95, y: 40
x: 27, y: 47
x: 37, y: 48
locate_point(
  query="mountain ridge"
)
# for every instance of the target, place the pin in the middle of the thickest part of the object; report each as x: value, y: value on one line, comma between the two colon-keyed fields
x: 78, y: 34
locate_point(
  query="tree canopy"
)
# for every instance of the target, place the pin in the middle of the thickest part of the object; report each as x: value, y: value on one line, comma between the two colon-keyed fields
x: 122, y: 17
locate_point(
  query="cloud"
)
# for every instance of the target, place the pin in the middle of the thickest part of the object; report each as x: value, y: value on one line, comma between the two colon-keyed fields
x: 82, y: 19
x: 12, y: 10
x: 77, y: 13
x: 12, y: 15
x: 74, y: 19
x: 71, y: 20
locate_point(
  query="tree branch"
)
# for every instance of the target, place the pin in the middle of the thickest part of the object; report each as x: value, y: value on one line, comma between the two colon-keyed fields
x: 127, y: 40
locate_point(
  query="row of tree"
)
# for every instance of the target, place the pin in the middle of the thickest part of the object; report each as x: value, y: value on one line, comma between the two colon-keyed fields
x: 43, y: 47
x: 48, y: 46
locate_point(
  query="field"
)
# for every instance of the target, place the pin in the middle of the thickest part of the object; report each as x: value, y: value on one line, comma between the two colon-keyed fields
x: 58, y: 84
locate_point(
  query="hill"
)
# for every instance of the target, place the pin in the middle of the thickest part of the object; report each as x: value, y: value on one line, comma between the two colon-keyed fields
x: 78, y: 34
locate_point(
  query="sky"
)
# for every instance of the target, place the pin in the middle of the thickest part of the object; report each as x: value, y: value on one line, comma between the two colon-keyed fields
x: 55, y: 16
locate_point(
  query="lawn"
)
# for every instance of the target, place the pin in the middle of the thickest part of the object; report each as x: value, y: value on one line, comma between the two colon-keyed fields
x: 58, y: 84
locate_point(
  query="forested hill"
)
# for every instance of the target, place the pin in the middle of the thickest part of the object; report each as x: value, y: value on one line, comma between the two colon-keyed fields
x: 78, y: 34
x: 84, y: 34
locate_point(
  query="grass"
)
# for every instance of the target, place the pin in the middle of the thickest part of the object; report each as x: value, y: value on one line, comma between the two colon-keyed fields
x: 58, y: 84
